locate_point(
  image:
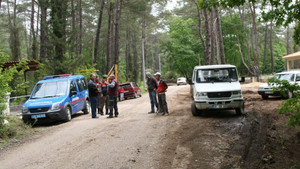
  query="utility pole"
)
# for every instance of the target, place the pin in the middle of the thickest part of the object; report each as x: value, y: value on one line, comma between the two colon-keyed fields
x: 143, y: 55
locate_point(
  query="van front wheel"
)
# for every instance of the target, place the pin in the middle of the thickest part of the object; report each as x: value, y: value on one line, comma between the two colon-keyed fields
x: 240, y: 110
x: 195, y: 112
x: 87, y: 107
x: 68, y: 114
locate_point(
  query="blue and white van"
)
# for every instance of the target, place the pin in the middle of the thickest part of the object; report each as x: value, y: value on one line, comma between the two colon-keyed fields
x: 57, y: 97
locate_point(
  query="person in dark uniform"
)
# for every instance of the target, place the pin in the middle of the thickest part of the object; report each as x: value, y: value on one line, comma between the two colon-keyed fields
x: 112, y: 93
x: 93, y: 94
x: 152, y: 87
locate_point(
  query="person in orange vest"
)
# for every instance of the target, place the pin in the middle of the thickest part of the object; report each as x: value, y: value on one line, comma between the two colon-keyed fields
x: 121, y: 91
x: 161, y: 92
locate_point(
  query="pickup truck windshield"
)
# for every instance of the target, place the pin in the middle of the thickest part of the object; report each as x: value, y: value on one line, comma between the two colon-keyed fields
x: 288, y: 76
x: 216, y: 75
x: 50, y: 89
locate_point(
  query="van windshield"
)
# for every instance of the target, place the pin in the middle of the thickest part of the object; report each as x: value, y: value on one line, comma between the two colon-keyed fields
x: 216, y: 75
x: 50, y: 89
x: 288, y: 76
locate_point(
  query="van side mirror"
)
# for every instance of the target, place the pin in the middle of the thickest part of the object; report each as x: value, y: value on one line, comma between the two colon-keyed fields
x: 73, y: 93
x: 242, y: 79
x: 190, y: 81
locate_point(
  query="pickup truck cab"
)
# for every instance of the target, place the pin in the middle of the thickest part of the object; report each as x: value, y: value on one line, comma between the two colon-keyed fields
x: 57, y: 97
x: 292, y: 77
x: 216, y: 87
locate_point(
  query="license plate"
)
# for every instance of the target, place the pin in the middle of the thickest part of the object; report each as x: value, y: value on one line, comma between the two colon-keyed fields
x: 218, y: 106
x: 37, y: 116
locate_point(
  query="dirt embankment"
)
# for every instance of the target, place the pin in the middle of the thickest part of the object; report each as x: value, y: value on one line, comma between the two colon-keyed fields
x: 221, y: 139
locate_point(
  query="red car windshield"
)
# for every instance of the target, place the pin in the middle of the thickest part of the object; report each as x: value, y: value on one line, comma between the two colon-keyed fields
x: 126, y: 86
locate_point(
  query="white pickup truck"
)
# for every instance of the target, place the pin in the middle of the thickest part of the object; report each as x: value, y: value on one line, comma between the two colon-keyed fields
x: 216, y: 87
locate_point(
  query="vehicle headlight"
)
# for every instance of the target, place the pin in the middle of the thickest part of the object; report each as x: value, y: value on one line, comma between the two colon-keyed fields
x: 238, y: 92
x: 55, y: 106
x: 24, y: 109
x: 199, y: 94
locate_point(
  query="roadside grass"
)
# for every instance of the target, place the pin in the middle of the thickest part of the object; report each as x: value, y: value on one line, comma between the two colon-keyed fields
x: 14, y: 131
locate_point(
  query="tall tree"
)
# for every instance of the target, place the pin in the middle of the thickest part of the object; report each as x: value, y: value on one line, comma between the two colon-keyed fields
x: 44, y: 39
x: 14, y: 39
x: 117, y: 29
x: 58, y: 37
x: 96, y: 47
x: 34, y: 41
x: 109, y: 36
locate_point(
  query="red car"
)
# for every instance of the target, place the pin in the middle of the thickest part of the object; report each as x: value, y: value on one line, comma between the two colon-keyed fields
x: 131, y: 90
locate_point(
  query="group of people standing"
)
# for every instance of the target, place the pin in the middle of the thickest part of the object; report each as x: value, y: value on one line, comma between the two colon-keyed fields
x: 103, y: 93
x: 157, y: 86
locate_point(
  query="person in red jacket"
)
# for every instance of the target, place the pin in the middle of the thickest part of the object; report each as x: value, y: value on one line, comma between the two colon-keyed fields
x: 161, y: 92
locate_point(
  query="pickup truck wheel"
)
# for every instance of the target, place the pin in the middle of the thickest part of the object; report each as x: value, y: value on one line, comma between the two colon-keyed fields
x: 68, y: 114
x: 87, y: 107
x: 241, y: 110
x: 195, y: 112
x: 264, y: 96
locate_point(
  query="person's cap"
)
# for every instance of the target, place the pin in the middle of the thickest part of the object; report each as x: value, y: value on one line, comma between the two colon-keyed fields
x: 105, y: 76
x: 148, y: 73
x: 157, y: 73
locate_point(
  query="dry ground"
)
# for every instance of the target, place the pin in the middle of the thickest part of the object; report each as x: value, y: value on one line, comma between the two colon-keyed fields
x: 140, y: 140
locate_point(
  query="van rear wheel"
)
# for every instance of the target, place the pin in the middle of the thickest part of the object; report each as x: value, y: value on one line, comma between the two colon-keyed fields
x: 87, y: 107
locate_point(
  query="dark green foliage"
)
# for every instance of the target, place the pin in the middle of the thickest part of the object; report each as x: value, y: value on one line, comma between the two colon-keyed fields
x: 296, y: 35
x: 291, y: 106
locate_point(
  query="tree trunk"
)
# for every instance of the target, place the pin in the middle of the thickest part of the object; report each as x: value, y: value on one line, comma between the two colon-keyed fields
x: 135, y: 58
x: 33, y: 43
x: 73, y: 36
x: 117, y: 30
x: 79, y: 34
x: 255, y: 41
x: 200, y: 28
x: 271, y: 44
x: 144, y: 45
x: 127, y: 55
x: 288, y: 40
x: 43, y: 31
x: 96, y: 47
x: 207, y: 38
x: 239, y: 45
x: 246, y: 38
x: 109, y: 34
x: 0, y: 3
x: 14, y: 34
x: 212, y: 38
x: 219, y: 34
x: 265, y: 49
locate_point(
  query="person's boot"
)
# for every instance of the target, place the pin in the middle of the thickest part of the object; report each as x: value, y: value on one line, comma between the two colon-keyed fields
x: 99, y: 111
x: 106, y: 112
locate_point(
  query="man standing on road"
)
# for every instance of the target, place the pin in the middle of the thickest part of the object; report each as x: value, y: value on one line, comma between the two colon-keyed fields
x: 93, y: 94
x: 113, y: 88
x: 152, y: 86
x: 104, y: 98
x: 161, y: 91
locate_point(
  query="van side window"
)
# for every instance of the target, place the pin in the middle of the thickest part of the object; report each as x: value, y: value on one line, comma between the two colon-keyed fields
x: 80, y: 87
x: 72, y: 87
x: 83, y: 82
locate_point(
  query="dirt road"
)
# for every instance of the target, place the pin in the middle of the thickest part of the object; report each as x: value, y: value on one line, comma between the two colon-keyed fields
x: 142, y: 141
